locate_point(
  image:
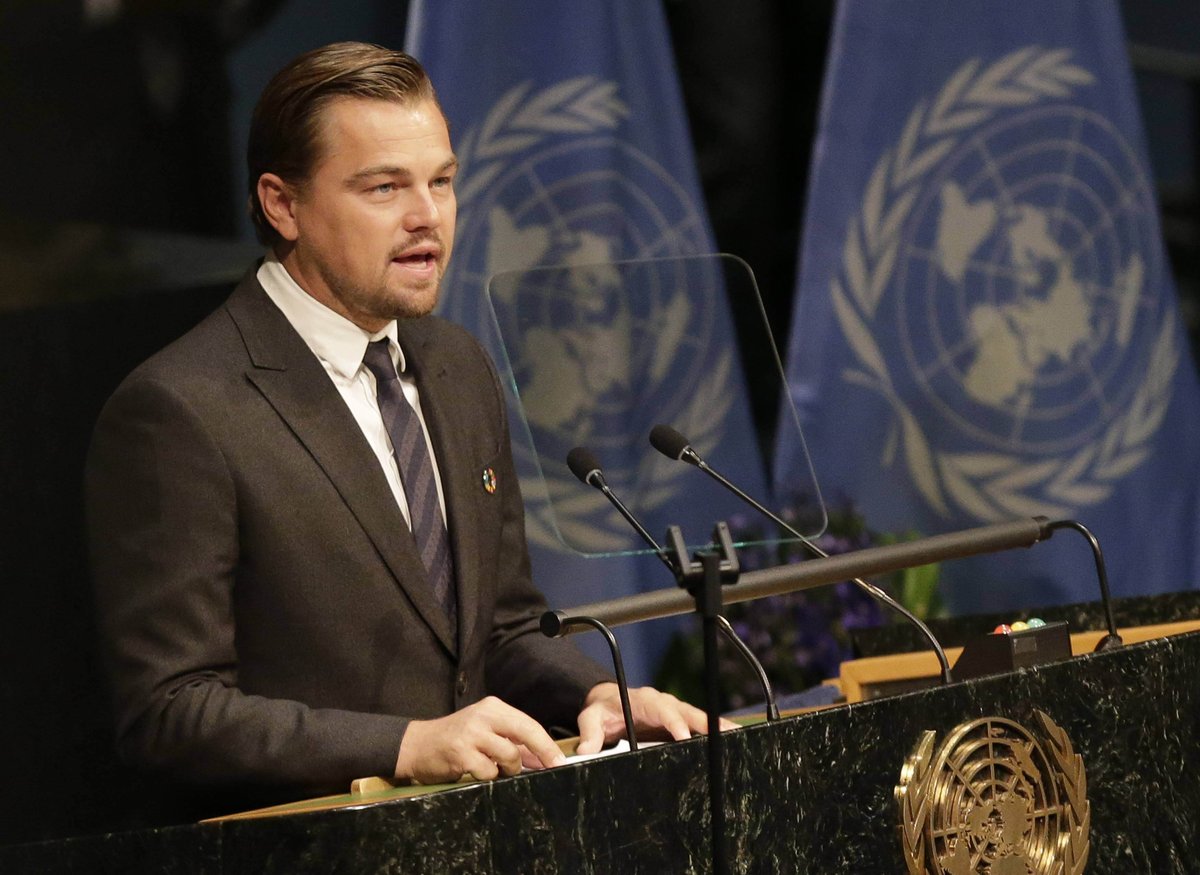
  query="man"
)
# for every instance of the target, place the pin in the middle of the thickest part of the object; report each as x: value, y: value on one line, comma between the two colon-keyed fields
x: 309, y: 569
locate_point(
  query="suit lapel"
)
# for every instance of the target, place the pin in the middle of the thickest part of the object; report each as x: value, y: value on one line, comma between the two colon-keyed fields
x: 295, y: 384
x: 446, y: 414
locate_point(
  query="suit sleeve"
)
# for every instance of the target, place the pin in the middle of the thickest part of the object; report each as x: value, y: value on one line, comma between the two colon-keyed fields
x: 163, y: 537
x: 547, y: 678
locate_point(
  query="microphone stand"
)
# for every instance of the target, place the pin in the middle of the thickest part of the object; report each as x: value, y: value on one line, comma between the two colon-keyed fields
x: 584, y: 465
x: 866, y: 586
x: 1111, y: 641
x: 747, y: 654
x: 703, y: 578
x: 555, y: 626
x: 673, y: 445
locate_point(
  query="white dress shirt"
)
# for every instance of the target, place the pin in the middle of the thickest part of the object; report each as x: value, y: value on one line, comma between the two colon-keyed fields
x: 340, y: 345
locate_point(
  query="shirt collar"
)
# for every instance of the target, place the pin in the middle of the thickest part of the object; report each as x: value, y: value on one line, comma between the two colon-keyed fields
x: 333, y: 338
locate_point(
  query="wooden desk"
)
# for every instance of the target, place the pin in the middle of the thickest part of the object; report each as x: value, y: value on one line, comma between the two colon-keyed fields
x: 872, y: 677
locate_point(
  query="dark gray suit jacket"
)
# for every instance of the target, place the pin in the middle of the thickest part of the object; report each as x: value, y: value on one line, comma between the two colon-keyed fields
x: 265, y: 618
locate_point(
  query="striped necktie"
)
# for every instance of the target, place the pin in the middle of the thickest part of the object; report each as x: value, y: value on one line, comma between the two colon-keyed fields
x: 416, y: 471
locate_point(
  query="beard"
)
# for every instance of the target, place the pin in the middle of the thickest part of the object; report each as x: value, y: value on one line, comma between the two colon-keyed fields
x: 389, y: 300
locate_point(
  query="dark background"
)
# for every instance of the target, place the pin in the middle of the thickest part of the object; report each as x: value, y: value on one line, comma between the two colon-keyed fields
x: 121, y: 225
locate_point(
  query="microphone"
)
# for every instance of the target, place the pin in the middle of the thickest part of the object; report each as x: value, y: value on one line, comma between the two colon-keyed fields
x: 671, y: 443
x: 586, y: 466
x: 674, y: 445
x: 1112, y: 640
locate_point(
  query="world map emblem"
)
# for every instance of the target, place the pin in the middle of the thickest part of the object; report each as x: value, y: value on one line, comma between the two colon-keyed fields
x: 561, y: 215
x: 1001, y: 290
x: 995, y: 797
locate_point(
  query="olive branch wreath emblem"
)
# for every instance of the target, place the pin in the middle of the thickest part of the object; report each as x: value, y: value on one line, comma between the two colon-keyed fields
x: 521, y: 120
x: 1074, y: 841
x: 989, y: 485
x: 915, y: 803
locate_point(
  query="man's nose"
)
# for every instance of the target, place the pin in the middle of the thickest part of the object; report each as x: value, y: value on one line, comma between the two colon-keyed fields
x: 421, y: 211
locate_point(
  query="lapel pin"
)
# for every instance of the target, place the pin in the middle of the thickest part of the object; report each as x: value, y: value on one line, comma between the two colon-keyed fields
x: 489, y: 481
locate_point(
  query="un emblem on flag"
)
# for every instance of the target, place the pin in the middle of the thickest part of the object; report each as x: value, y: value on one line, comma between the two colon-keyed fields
x: 1001, y: 290
x: 551, y: 177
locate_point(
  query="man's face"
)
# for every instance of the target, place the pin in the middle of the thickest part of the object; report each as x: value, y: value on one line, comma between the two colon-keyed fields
x: 373, y: 227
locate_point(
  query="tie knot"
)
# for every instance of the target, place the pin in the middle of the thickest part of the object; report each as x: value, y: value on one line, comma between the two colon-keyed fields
x: 378, y: 360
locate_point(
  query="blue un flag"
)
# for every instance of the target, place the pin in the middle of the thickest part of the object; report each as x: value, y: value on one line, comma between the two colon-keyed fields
x: 569, y: 127
x: 986, y: 326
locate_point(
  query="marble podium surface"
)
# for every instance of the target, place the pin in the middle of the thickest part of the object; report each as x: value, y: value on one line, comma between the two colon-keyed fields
x: 812, y: 793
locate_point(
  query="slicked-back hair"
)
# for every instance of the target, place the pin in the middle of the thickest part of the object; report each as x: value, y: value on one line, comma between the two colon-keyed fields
x: 285, y: 130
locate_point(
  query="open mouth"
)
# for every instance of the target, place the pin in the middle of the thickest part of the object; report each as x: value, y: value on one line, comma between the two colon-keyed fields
x: 423, y: 261
x: 416, y: 259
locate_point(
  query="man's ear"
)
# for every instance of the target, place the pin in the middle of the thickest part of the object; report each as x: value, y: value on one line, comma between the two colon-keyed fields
x: 278, y: 201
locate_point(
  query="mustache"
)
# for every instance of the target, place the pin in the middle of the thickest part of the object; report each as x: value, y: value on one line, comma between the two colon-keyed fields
x: 418, y: 239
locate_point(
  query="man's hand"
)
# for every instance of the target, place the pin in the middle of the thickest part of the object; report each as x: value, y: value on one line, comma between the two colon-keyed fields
x: 657, y: 714
x: 485, y: 740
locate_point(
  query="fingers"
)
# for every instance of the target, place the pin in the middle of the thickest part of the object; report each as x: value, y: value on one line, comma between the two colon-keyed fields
x: 692, y: 717
x: 666, y: 713
x: 521, y: 729
x: 502, y: 757
x: 528, y: 760
x: 489, y: 738
x: 485, y: 740
x: 684, y: 720
x: 655, y: 713
x: 591, y: 729
x: 477, y: 766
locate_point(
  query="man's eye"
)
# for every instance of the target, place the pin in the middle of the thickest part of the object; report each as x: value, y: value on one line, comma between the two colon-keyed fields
x: 443, y: 182
x: 384, y: 188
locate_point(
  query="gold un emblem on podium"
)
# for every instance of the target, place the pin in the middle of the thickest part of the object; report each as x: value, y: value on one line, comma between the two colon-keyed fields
x: 995, y: 798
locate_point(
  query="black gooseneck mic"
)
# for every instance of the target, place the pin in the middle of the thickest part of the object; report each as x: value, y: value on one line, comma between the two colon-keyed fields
x: 672, y: 444
x: 584, y: 465
x: 1111, y: 640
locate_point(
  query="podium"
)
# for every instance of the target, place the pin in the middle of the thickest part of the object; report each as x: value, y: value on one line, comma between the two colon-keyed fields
x: 810, y: 793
